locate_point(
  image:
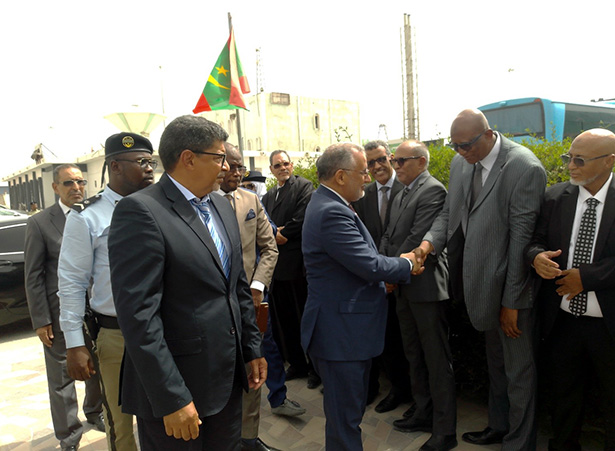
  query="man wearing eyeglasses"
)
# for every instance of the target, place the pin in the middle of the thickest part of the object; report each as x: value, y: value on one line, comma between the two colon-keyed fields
x: 494, y: 195
x: 42, y: 250
x: 422, y: 305
x: 84, y: 259
x: 374, y: 210
x: 183, y: 299
x: 285, y: 203
x: 573, y: 251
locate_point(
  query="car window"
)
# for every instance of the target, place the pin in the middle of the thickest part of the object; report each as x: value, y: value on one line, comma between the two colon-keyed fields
x: 12, y: 237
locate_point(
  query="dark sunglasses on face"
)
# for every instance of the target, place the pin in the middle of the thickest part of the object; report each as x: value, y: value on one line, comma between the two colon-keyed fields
x: 279, y: 165
x: 79, y: 182
x: 379, y: 160
x: 401, y: 161
x: 579, y: 162
x: 465, y: 146
x: 143, y: 162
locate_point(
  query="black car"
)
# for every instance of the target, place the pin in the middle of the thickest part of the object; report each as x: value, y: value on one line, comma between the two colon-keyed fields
x: 13, y: 305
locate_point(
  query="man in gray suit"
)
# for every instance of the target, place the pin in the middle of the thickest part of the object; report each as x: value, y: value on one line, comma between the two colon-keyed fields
x: 421, y: 305
x: 42, y: 249
x: 495, y: 191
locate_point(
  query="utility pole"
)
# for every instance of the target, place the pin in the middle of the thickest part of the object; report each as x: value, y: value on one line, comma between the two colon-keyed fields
x: 410, y: 81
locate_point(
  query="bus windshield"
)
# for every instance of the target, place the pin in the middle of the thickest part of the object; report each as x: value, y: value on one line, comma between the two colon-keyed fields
x: 519, y: 120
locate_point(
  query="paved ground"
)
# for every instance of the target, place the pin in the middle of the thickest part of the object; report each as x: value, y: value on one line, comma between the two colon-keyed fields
x: 25, y: 421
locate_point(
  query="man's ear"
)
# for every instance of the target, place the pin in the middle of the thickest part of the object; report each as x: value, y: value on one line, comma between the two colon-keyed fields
x: 186, y: 159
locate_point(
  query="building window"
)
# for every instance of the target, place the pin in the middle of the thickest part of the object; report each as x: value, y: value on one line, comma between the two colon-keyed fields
x: 249, y: 144
x: 317, y: 121
x: 279, y: 98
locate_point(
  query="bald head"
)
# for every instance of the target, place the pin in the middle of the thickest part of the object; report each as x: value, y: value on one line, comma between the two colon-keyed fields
x: 231, y: 151
x: 471, y: 136
x: 596, y: 149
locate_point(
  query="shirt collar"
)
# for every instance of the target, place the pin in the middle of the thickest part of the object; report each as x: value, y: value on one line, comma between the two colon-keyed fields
x: 186, y: 192
x: 489, y: 160
x: 600, y: 195
x: 64, y: 208
x: 389, y: 183
x: 336, y: 193
x: 111, y: 195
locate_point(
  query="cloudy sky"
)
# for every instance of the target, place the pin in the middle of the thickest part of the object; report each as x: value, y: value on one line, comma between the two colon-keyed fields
x: 67, y: 64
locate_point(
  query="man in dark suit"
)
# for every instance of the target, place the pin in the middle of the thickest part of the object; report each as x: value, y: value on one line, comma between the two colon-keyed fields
x: 182, y: 299
x: 422, y: 305
x: 494, y: 195
x: 344, y: 321
x: 374, y: 210
x: 42, y: 250
x: 573, y: 250
x: 285, y: 203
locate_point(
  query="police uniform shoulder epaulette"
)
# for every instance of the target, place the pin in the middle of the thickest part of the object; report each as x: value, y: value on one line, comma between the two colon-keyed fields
x: 79, y: 207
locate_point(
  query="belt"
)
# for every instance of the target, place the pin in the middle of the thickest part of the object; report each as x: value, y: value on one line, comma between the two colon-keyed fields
x: 108, y: 322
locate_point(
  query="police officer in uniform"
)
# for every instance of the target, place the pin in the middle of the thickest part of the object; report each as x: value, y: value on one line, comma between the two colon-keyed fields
x: 84, y: 268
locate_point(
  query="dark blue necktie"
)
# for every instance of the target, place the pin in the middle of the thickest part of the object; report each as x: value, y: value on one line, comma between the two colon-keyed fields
x: 203, y: 208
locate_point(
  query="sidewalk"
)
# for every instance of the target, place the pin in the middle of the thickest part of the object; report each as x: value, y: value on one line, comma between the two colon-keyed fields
x: 25, y: 420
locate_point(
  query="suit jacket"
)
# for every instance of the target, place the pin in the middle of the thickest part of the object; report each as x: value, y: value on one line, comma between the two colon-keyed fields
x: 553, y: 231
x: 288, y: 211
x: 497, y: 229
x: 368, y: 211
x: 41, y: 251
x: 409, y: 221
x: 184, y: 323
x: 255, y: 230
x: 346, y: 309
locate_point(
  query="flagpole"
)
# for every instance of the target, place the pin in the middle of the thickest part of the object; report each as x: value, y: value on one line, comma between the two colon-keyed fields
x: 239, y: 137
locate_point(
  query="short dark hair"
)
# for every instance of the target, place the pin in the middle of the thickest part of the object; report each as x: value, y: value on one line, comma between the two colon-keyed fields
x: 57, y: 169
x: 274, y: 153
x: 372, y: 145
x: 188, y: 132
x: 336, y: 157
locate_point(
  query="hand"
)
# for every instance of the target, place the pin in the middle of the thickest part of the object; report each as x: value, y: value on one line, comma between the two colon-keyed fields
x: 416, y: 267
x: 183, y: 423
x: 390, y: 287
x: 508, y: 322
x: 570, y: 283
x: 421, y: 252
x: 257, y: 297
x: 544, y: 265
x: 45, y: 334
x: 279, y: 238
x: 79, y: 363
x: 258, y: 373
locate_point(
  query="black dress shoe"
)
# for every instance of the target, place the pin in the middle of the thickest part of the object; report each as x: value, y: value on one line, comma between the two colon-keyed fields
x: 412, y: 425
x: 259, y: 445
x: 410, y: 412
x: 390, y: 402
x: 98, y: 422
x: 313, y: 380
x: 485, y: 437
x: 440, y: 443
x: 294, y: 373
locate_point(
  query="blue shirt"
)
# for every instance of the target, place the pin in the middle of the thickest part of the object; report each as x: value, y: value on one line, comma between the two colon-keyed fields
x: 84, y: 257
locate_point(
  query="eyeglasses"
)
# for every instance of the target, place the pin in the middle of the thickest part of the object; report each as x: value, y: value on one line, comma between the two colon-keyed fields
x: 363, y: 173
x: 279, y: 165
x: 236, y: 167
x: 249, y: 185
x: 143, y: 162
x: 221, y: 157
x: 79, y: 182
x: 379, y: 160
x: 465, y: 146
x: 401, y: 160
x: 579, y: 162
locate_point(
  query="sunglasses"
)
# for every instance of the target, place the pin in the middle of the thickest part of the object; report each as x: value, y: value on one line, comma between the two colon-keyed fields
x: 400, y: 161
x: 250, y: 186
x: 79, y: 182
x: 143, y: 162
x: 579, y: 162
x: 379, y: 160
x: 465, y: 146
x: 279, y: 165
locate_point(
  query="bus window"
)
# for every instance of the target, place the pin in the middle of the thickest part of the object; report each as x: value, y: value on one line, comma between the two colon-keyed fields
x: 580, y: 118
x: 527, y: 119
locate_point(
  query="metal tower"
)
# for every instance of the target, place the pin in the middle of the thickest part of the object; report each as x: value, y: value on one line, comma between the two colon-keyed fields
x: 409, y: 81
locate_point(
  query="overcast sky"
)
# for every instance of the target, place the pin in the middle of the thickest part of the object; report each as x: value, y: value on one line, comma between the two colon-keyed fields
x: 66, y: 64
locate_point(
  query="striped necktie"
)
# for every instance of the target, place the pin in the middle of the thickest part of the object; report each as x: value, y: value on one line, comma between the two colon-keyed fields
x: 205, y: 213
